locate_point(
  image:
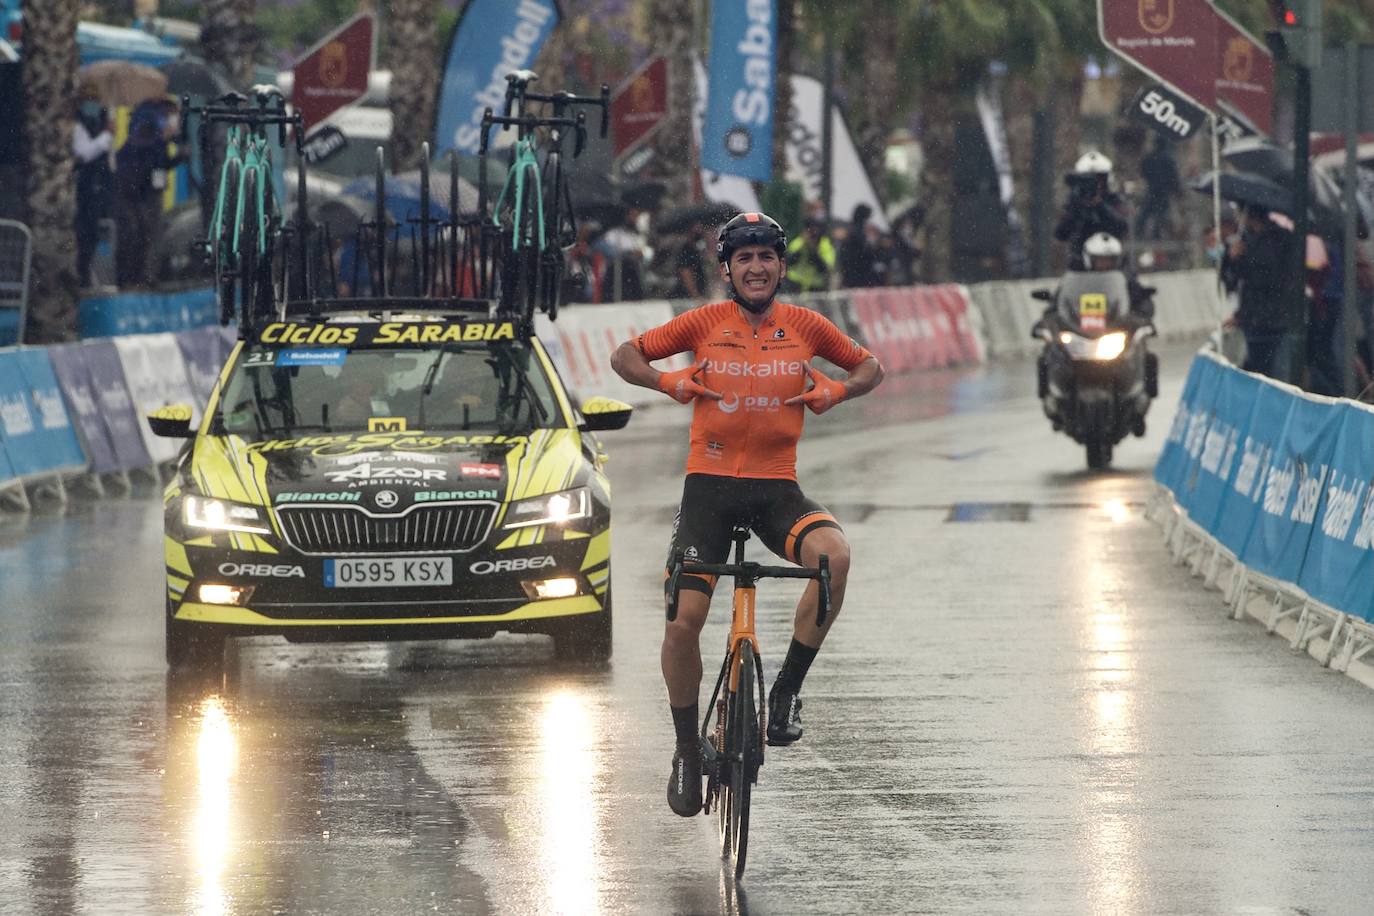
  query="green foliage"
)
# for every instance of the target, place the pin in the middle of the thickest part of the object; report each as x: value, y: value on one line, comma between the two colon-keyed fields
x: 782, y: 200
x: 289, y: 30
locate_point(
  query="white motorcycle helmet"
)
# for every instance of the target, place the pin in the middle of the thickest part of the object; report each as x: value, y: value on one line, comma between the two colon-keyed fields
x: 1092, y: 163
x: 1102, y: 251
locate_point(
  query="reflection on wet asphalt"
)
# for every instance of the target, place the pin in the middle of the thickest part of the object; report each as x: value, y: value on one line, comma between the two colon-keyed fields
x: 1012, y: 716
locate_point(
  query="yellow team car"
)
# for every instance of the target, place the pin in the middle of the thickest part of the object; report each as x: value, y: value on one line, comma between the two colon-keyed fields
x: 359, y: 477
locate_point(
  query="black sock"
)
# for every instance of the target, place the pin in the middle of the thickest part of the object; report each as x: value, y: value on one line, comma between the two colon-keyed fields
x: 685, y: 724
x: 794, y: 667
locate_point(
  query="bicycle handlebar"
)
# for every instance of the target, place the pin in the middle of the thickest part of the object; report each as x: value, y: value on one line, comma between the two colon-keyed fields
x: 751, y: 571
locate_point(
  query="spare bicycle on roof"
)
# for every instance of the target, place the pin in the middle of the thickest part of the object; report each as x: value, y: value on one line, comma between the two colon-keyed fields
x: 504, y: 259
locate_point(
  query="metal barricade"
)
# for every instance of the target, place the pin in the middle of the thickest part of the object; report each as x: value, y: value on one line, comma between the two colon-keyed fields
x: 16, y: 249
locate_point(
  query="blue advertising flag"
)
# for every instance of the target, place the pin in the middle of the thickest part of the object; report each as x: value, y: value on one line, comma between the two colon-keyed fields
x: 1240, y: 505
x: 1293, y: 489
x: 60, y: 442
x: 738, y: 135
x: 1339, y: 568
x: 493, y: 38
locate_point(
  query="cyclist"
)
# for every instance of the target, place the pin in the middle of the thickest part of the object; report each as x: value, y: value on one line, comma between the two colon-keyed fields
x: 748, y: 388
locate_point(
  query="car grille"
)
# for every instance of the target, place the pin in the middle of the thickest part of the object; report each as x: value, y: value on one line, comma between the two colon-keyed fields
x: 342, y: 530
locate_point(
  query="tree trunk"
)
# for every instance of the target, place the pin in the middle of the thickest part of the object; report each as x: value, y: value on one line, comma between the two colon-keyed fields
x: 1066, y: 101
x: 873, y: 101
x: 672, y: 37
x: 412, y: 54
x: 229, y: 39
x: 1020, y: 102
x: 939, y: 115
x: 49, y: 85
x: 782, y: 93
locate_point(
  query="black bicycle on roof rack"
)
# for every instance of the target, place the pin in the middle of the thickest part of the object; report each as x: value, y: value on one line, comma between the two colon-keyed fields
x: 506, y: 259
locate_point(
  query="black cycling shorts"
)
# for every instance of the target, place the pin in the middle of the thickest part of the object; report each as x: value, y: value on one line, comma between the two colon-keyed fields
x: 775, y: 510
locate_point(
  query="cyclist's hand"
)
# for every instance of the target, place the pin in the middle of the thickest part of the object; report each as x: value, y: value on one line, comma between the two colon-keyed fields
x: 684, y: 385
x: 823, y: 394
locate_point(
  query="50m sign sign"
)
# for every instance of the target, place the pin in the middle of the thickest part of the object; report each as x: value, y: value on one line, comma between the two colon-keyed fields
x: 1166, y: 112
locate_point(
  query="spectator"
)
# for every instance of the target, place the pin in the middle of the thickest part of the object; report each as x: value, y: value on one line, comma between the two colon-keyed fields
x: 905, y: 249
x: 811, y: 258
x: 1258, y: 262
x: 585, y: 265
x: 1162, y: 185
x: 858, y: 257
x: 689, y: 265
x: 141, y: 168
x: 623, y: 248
x: 92, y: 144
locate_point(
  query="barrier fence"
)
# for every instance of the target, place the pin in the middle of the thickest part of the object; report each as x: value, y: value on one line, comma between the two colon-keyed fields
x: 1266, y: 490
x: 76, y: 411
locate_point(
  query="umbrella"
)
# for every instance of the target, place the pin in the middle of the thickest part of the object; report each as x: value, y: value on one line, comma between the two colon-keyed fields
x: 121, y: 83
x: 1262, y: 158
x: 194, y: 77
x: 679, y: 219
x: 403, y: 194
x: 1250, y: 190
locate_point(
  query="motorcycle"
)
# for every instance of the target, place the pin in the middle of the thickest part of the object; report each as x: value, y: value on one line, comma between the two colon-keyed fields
x: 1096, y: 374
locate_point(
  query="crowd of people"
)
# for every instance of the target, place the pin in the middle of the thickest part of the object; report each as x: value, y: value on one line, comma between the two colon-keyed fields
x: 631, y: 260
x: 122, y: 186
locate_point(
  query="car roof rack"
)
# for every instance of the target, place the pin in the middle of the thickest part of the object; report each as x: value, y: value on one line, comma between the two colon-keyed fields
x: 486, y: 309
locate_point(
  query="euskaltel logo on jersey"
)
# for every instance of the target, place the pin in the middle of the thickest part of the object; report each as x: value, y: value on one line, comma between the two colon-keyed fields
x: 756, y: 370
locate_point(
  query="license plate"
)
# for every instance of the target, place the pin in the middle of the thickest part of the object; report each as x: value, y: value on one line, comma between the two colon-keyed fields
x: 398, y: 571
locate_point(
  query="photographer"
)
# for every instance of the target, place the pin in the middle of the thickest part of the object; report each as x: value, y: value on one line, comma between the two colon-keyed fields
x: 1092, y: 206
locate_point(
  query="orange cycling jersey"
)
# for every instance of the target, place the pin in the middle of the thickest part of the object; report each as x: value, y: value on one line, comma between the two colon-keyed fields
x: 749, y: 432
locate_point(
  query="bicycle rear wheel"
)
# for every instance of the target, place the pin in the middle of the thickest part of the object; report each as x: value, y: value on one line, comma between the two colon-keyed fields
x: 222, y: 238
x: 742, y: 745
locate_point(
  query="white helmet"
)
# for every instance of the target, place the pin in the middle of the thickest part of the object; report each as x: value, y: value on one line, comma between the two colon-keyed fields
x: 1102, y: 245
x: 1092, y: 163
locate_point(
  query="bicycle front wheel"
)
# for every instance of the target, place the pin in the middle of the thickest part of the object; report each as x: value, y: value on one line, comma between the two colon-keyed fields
x: 742, y: 744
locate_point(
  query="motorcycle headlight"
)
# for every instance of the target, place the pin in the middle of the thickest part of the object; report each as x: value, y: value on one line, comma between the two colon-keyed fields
x: 550, y: 509
x: 224, y: 515
x: 1110, y: 346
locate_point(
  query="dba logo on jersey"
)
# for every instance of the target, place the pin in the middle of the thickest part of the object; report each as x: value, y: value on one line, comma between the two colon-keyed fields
x: 751, y: 404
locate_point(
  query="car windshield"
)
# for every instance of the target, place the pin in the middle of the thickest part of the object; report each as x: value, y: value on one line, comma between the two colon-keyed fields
x: 274, y: 392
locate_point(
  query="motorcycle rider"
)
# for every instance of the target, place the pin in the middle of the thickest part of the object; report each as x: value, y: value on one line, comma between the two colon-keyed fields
x: 1092, y: 206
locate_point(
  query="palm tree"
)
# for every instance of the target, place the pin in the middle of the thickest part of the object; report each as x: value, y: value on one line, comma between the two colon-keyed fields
x: 48, y: 74
x: 229, y: 38
x: 412, y: 54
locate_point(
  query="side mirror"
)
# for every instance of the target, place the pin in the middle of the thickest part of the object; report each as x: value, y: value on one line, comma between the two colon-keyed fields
x: 1044, y: 295
x: 171, y: 422
x: 600, y: 413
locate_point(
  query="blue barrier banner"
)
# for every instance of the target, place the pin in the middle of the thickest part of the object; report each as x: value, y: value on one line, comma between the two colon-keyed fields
x: 1174, y: 460
x: 1231, y: 412
x: 1339, y: 568
x: 1240, y: 506
x: 737, y: 138
x: 24, y: 438
x: 116, y: 404
x: 200, y: 351
x: 69, y: 365
x: 493, y: 38
x: 61, y: 445
x: 1293, y: 489
x: 147, y: 313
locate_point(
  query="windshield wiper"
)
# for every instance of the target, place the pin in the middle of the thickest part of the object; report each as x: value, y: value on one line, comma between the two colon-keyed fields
x: 431, y: 374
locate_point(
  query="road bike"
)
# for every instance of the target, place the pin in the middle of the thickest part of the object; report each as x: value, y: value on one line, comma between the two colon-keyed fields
x: 737, y: 741
x: 246, y: 223
x: 533, y: 219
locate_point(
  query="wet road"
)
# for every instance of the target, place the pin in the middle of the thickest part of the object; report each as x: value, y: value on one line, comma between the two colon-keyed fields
x: 1011, y: 717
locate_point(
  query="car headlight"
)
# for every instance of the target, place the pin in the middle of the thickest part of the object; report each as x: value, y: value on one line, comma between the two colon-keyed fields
x: 223, y: 515
x: 550, y: 509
